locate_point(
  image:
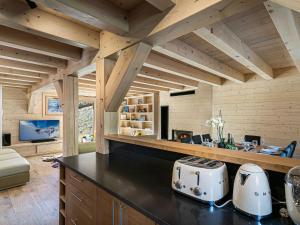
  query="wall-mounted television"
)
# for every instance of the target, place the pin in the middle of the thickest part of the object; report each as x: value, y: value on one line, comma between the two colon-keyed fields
x: 38, y: 130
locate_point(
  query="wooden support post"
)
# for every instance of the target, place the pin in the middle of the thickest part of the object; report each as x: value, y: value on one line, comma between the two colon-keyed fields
x: 156, y: 110
x: 70, y: 115
x: 103, y: 70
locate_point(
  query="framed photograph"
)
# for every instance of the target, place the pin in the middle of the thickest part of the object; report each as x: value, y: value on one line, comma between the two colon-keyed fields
x: 52, y: 106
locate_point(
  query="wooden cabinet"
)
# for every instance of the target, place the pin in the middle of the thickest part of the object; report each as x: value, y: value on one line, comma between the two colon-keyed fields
x: 86, y: 204
x: 112, y: 211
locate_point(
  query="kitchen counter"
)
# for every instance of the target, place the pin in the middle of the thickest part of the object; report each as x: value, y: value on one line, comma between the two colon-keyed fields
x: 144, y: 183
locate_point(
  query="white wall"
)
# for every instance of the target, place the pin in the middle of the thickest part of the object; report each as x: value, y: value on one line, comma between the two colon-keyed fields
x: 189, y: 112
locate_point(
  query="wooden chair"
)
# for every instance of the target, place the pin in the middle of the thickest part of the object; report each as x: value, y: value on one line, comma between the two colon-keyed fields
x: 197, y: 139
x: 289, y: 150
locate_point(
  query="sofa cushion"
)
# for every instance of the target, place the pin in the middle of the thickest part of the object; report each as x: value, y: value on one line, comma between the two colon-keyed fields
x: 13, y: 166
x: 9, y: 156
x: 7, y: 151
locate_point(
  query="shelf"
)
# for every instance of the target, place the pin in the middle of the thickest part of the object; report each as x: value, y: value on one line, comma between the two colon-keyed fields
x: 63, y: 198
x: 63, y: 212
x: 62, y: 181
x: 149, y: 121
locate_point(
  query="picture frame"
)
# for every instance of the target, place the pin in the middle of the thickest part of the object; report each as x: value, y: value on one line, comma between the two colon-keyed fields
x: 52, y: 105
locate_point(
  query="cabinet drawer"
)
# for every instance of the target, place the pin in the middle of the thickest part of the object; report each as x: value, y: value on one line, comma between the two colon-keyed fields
x: 81, y: 183
x: 75, y: 215
x: 86, y: 204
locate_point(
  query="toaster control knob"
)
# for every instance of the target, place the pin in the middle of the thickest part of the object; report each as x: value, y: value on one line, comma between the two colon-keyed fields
x: 178, y: 184
x: 197, y: 191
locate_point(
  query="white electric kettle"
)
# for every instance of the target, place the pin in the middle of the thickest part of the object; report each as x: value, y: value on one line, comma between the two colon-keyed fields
x: 292, y: 193
x: 251, y: 191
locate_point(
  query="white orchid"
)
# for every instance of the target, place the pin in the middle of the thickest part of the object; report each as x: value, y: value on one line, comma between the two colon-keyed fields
x: 217, y: 122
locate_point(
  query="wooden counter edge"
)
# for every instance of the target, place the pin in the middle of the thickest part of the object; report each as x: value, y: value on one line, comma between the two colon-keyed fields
x: 273, y: 163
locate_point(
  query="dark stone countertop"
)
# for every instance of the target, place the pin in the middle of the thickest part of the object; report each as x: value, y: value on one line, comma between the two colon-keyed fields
x: 144, y: 183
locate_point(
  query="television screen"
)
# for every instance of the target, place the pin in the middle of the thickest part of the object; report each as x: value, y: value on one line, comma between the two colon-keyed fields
x: 34, y: 130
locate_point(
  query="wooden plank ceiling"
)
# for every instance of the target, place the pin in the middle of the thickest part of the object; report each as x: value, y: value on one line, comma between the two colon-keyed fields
x: 40, y: 44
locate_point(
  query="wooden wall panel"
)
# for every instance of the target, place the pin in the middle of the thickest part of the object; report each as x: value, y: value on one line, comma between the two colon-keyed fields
x: 270, y: 109
x: 189, y: 112
x: 15, y: 109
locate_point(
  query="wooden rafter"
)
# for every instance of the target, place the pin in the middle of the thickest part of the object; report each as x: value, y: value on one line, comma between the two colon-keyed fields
x: 18, y: 78
x: 159, y: 62
x: 162, y: 5
x: 30, y: 57
x: 90, y: 82
x: 90, y: 77
x: 17, y: 14
x: 98, y: 13
x: 291, y: 4
x: 27, y: 66
x: 185, y: 53
x: 168, y: 77
x: 221, y: 37
x: 20, y: 83
x: 28, y: 42
x: 183, y: 18
x: 124, y: 72
x: 287, y: 24
x: 143, y: 90
x: 145, y: 80
x: 148, y: 86
x: 22, y: 73
x: 87, y: 58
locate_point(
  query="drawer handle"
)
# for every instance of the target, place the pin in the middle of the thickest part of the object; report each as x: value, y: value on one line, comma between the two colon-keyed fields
x: 121, y: 214
x: 74, y: 221
x: 75, y: 178
x: 79, y: 199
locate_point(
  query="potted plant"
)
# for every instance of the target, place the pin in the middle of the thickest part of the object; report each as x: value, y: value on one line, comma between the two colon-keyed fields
x: 218, y: 123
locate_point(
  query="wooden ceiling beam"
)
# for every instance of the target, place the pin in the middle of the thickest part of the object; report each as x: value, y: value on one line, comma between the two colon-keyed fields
x: 28, y: 42
x: 26, y: 66
x: 143, y: 90
x: 22, y: 73
x: 291, y: 4
x: 145, y: 80
x: 18, y: 78
x: 14, y: 86
x: 87, y: 85
x: 168, y: 77
x: 221, y: 37
x: 30, y: 57
x: 183, y: 18
x: 90, y: 77
x: 165, y: 64
x: 123, y: 74
x: 20, y: 83
x: 18, y: 15
x: 287, y: 24
x: 87, y: 58
x: 98, y: 13
x: 148, y: 86
x: 83, y: 81
x: 162, y: 5
x: 185, y: 53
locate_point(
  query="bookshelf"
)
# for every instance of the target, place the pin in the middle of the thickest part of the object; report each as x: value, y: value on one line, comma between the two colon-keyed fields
x: 136, y: 116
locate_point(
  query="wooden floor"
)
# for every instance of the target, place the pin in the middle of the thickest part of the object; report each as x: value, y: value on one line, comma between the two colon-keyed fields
x: 35, y: 203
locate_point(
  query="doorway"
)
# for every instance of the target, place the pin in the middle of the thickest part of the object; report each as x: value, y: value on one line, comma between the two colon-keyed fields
x: 164, y: 121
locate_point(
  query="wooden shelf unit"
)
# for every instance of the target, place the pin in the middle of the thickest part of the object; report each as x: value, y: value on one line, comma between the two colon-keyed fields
x: 62, y: 196
x: 136, y: 115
